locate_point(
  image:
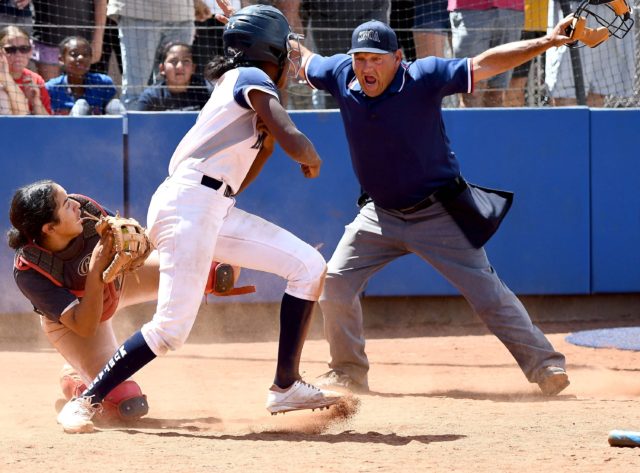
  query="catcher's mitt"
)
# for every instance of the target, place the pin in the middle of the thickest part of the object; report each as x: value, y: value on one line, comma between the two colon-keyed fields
x: 130, y: 242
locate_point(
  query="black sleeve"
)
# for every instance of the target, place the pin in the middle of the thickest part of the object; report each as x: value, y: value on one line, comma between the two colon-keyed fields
x: 47, y: 298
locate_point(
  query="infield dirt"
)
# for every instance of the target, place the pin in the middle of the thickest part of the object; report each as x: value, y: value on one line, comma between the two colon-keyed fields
x: 452, y: 402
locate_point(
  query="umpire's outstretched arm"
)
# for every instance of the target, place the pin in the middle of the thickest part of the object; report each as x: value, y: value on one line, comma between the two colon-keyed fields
x: 507, y: 56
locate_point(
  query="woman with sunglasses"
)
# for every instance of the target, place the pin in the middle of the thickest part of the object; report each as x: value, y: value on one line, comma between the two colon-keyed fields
x: 23, y: 89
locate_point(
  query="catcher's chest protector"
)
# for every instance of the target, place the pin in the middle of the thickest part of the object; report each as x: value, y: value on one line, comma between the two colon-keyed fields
x: 53, y: 267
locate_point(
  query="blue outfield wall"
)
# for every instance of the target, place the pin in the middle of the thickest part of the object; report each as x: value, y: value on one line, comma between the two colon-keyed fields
x: 615, y: 200
x: 571, y: 229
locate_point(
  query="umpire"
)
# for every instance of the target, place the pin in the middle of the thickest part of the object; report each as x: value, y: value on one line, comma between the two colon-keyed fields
x: 415, y: 199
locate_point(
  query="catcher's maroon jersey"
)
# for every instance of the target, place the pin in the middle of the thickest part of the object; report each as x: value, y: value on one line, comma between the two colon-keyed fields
x: 40, y: 283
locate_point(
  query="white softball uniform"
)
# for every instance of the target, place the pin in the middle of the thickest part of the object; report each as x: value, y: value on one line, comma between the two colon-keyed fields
x: 192, y: 224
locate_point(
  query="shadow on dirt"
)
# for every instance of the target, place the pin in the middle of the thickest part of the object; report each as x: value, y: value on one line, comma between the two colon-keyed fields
x: 348, y: 436
x: 481, y: 396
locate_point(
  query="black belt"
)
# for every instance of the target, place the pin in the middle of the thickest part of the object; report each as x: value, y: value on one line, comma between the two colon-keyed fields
x: 215, y: 185
x: 449, y: 191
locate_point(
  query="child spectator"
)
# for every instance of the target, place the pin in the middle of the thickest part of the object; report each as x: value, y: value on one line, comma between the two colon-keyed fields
x: 77, y: 91
x: 55, y: 20
x: 24, y: 90
x: 144, y: 26
x: 179, y: 88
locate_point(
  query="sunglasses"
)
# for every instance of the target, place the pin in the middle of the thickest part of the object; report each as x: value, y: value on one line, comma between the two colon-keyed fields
x: 14, y: 49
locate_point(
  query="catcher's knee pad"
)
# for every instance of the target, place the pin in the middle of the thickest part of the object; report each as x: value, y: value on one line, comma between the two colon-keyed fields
x: 125, y: 402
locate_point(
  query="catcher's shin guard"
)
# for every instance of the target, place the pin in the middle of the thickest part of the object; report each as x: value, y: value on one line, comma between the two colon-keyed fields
x: 125, y: 402
x: 221, y: 281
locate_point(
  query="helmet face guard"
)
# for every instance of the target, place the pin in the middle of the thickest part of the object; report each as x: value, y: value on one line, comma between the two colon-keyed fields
x: 294, y: 54
x: 614, y: 15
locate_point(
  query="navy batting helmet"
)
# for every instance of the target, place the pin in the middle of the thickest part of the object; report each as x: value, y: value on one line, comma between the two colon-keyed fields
x: 257, y: 33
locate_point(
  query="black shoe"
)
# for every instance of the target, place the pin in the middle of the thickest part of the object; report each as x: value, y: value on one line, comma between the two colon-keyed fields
x: 553, y: 380
x: 338, y: 379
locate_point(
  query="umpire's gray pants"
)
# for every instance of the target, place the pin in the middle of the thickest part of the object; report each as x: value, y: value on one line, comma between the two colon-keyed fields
x: 375, y: 238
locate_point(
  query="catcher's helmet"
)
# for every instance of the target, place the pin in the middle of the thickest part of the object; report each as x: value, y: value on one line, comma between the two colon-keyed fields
x: 257, y: 33
x: 614, y: 15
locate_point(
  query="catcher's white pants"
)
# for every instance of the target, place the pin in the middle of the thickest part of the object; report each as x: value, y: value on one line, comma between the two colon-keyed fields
x: 191, y: 225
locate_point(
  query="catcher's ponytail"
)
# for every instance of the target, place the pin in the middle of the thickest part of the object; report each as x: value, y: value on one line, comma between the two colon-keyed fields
x: 32, y: 206
x: 15, y: 239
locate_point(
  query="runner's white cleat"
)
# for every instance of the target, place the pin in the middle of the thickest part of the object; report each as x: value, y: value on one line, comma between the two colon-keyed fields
x: 75, y: 416
x: 299, y: 396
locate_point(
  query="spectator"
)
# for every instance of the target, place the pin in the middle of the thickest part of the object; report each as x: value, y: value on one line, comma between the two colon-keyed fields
x: 16, y: 12
x: 24, y: 89
x: 535, y: 26
x: 56, y: 20
x: 297, y: 95
x: 207, y: 43
x: 110, y: 46
x: 608, y: 69
x: 477, y: 25
x: 77, y: 91
x: 145, y: 26
x: 402, y: 21
x: 12, y: 100
x: 432, y: 28
x: 331, y: 22
x: 180, y: 88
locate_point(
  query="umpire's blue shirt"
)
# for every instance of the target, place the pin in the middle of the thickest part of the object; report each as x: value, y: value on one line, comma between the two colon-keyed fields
x: 399, y: 147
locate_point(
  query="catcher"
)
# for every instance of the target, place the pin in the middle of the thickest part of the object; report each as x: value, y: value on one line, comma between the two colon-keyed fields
x: 74, y: 262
